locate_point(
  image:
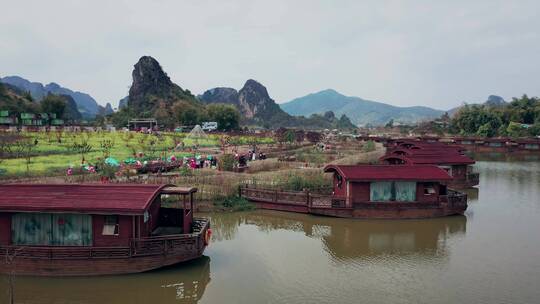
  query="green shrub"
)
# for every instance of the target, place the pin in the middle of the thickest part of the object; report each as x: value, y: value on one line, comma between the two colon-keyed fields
x: 226, y: 162
x: 369, y: 146
x: 185, y: 171
x: 301, y: 182
x: 235, y: 203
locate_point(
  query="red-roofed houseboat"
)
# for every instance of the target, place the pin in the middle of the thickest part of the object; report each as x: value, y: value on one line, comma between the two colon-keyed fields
x: 448, y: 157
x: 96, y: 229
x: 371, y: 191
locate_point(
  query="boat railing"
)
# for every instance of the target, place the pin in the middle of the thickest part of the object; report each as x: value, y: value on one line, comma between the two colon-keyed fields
x: 275, y: 195
x: 473, y: 177
x: 300, y: 198
x: 155, y: 245
x: 171, y: 244
x: 454, y: 198
x: 63, y: 253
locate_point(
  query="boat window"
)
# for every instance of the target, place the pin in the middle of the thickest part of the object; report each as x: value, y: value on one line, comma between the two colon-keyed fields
x: 393, y: 191
x: 405, y: 191
x: 429, y: 189
x: 60, y: 229
x: 111, y: 226
x: 339, y: 181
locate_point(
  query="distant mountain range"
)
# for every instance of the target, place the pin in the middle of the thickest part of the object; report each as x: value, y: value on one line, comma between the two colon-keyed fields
x: 16, y: 100
x: 152, y: 89
x: 86, y: 104
x: 360, y: 111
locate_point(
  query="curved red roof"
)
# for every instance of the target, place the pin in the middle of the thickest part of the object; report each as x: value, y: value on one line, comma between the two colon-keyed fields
x: 390, y: 172
x: 431, y: 159
x: 130, y: 199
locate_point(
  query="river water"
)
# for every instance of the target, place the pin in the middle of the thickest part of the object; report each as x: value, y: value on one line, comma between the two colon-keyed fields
x: 490, y: 255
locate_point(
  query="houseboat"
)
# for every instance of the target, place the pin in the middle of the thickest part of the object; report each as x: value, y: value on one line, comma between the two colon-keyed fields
x: 97, y: 229
x: 448, y: 157
x: 371, y: 191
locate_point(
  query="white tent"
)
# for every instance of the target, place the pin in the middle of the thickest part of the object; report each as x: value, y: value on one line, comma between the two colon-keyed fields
x: 197, y: 133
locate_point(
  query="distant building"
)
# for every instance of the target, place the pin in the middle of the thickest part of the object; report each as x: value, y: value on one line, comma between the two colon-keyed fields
x: 8, y: 119
x: 142, y: 123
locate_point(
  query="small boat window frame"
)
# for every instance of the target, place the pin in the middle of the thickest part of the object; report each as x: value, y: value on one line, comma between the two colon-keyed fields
x: 111, y: 225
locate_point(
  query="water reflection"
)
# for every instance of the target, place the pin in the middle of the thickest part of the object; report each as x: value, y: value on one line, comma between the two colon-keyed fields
x: 346, y: 239
x: 184, y: 283
x: 472, y: 194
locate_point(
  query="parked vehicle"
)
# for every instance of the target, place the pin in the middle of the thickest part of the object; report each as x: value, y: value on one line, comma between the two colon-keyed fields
x: 209, y: 126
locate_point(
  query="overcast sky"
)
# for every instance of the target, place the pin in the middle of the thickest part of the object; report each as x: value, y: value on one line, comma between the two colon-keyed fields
x: 400, y: 52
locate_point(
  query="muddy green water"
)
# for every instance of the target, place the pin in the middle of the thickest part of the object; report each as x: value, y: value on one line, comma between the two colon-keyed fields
x: 490, y: 255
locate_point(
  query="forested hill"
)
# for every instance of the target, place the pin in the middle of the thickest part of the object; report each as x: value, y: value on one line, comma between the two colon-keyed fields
x: 518, y: 118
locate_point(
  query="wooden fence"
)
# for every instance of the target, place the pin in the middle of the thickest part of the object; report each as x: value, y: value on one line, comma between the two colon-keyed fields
x: 300, y: 198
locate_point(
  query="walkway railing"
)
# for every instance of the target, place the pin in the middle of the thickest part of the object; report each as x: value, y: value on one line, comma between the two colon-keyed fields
x: 301, y: 198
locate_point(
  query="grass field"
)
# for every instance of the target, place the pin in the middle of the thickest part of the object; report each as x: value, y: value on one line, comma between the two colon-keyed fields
x: 53, y: 152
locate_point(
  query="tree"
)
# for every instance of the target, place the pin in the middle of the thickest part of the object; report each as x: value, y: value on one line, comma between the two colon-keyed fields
x: 524, y: 109
x: 121, y: 118
x: 106, y: 146
x: 186, y: 113
x: 290, y: 136
x: 81, y: 145
x: 7, y: 142
x: 390, y: 123
x: 470, y: 118
x: 163, y: 115
x: 299, y: 136
x: 280, y: 135
x: 313, y: 137
x: 486, y: 130
x: 534, y: 130
x: 25, y: 147
x: 227, y: 116
x: 516, y: 130
x: 53, y: 104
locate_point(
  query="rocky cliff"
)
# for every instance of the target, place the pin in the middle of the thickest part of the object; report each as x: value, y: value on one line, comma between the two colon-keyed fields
x: 257, y: 107
x: 152, y: 88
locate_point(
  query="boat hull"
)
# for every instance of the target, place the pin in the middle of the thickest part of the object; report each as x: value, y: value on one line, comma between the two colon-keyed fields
x: 91, y: 267
x: 368, y: 212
